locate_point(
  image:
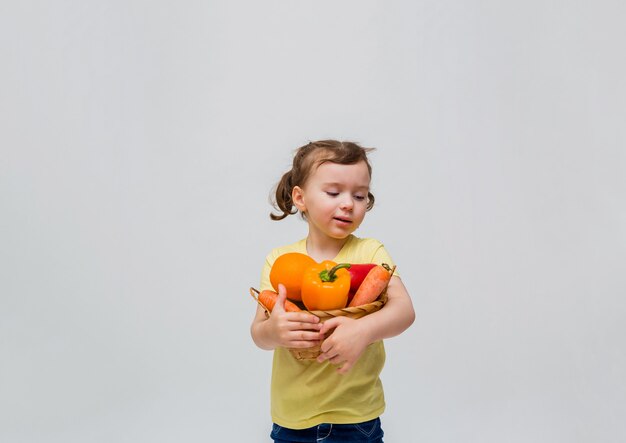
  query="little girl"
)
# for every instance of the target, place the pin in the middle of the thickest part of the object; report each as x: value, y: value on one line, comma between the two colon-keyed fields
x: 338, y: 397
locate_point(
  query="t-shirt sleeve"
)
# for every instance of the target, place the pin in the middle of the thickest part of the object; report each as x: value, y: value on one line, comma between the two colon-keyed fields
x: 265, y: 273
x: 380, y: 256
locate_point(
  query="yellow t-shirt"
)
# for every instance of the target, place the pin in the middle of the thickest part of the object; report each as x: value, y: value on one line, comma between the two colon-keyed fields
x: 305, y: 393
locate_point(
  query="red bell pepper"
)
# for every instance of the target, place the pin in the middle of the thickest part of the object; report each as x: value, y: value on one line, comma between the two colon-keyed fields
x: 357, y: 274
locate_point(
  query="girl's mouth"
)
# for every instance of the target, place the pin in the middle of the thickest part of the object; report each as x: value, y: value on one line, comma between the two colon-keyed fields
x: 343, y: 220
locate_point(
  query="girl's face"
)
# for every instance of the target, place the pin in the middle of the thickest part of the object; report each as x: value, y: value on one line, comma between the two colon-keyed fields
x: 334, y: 199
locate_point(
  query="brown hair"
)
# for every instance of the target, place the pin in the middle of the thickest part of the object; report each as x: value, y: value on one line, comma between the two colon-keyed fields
x: 309, y: 157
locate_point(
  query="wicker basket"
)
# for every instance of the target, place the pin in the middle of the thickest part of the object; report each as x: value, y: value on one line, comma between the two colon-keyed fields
x: 354, y: 312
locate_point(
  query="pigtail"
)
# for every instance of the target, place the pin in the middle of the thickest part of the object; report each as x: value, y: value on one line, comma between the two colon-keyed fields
x: 282, y: 198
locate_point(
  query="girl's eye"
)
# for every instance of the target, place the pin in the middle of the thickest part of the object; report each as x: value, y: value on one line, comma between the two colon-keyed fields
x: 359, y: 197
x: 332, y: 194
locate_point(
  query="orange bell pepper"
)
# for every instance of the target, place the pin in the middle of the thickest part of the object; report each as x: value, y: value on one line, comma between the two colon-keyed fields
x: 326, y: 286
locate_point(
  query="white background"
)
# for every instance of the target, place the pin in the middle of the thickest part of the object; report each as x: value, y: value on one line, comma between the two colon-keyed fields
x: 139, y: 143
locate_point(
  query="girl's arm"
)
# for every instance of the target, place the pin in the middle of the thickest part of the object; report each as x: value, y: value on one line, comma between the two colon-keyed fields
x: 351, y: 337
x: 286, y: 329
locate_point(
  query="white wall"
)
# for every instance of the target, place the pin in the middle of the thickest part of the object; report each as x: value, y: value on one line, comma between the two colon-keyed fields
x: 139, y: 142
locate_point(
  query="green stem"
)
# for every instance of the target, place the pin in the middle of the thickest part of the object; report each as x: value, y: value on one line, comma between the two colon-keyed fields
x: 330, y: 276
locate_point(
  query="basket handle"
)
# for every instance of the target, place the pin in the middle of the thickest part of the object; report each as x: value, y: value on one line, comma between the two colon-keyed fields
x: 255, y: 295
x: 389, y: 269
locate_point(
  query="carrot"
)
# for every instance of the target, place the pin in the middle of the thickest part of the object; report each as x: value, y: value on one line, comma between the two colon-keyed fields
x: 373, y: 285
x: 268, y: 299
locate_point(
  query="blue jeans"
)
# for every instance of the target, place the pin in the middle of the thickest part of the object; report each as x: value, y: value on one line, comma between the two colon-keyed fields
x: 365, y: 432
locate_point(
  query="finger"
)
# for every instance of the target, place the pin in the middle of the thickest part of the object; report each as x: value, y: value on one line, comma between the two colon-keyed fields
x: 327, y: 345
x: 280, y: 300
x: 336, y: 360
x: 331, y: 324
x: 302, y: 317
x: 326, y: 354
x: 297, y: 326
x: 303, y: 344
x: 344, y: 368
x: 306, y: 336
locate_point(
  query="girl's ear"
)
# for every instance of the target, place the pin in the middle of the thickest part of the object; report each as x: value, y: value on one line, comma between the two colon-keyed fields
x: 297, y: 196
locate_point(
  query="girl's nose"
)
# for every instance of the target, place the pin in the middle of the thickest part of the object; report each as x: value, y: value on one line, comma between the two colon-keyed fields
x: 347, y: 203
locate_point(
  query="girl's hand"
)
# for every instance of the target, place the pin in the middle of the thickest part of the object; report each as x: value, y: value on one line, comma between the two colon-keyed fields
x: 292, y: 329
x: 351, y: 337
x: 345, y: 345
